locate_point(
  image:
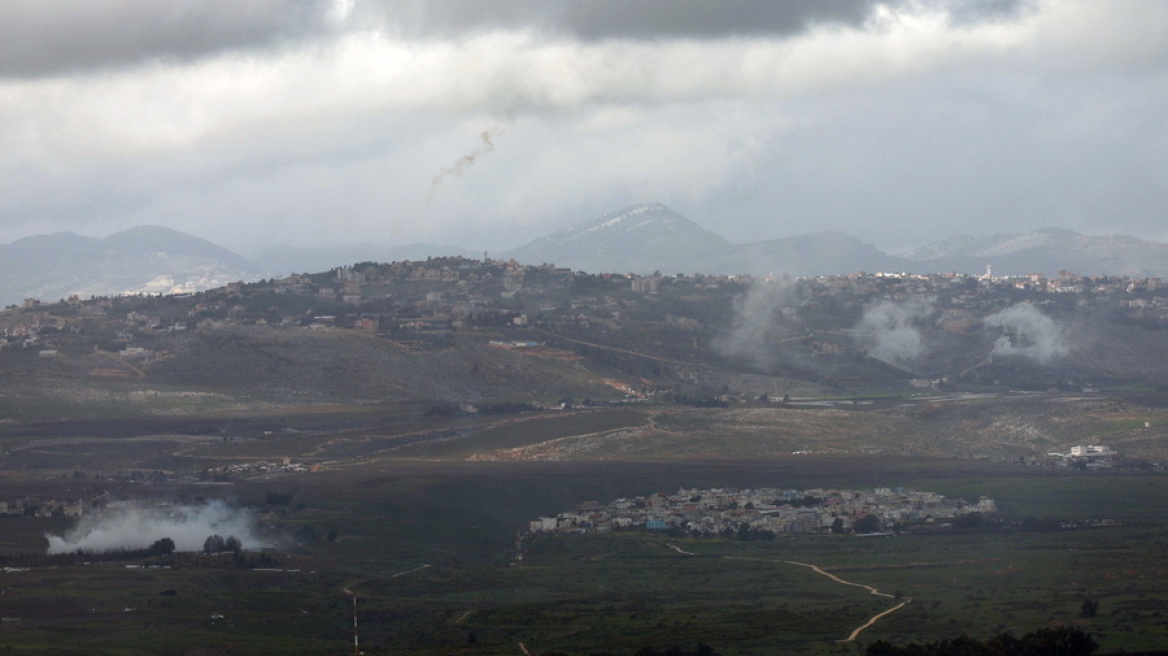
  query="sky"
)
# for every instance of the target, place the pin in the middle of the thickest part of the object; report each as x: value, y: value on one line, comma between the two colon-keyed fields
x: 485, y: 124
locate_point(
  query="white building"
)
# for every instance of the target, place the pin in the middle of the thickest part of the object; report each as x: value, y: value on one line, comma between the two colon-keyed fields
x: 1091, y: 450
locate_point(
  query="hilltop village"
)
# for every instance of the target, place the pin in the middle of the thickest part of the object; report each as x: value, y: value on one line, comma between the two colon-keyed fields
x: 762, y: 513
x: 422, y: 305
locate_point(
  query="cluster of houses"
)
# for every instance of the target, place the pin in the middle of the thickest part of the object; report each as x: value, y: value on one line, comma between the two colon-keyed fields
x: 717, y: 511
x: 260, y: 467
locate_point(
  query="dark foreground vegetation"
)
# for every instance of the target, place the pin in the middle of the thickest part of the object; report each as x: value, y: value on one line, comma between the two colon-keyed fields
x: 1062, y: 641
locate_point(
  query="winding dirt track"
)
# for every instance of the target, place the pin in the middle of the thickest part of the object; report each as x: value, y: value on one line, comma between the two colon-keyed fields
x: 869, y: 588
x: 837, y: 579
x: 871, y: 621
x: 348, y: 588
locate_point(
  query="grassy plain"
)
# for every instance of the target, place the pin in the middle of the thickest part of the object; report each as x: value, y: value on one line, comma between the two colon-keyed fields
x: 426, y: 513
x: 428, y: 550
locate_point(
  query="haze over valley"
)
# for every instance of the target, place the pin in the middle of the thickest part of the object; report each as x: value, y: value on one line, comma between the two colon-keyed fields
x: 583, y: 327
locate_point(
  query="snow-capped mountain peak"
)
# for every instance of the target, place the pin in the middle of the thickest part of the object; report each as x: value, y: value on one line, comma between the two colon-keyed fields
x: 625, y: 240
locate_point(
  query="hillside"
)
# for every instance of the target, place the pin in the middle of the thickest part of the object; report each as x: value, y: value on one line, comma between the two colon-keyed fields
x: 456, y: 330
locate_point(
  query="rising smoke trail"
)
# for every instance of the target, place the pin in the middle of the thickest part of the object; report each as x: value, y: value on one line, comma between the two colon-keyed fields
x: 468, y: 160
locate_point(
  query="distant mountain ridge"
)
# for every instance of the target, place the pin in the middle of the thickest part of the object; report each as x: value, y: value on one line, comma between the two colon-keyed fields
x: 638, y: 239
x: 1046, y: 251
x: 652, y: 237
x: 144, y: 259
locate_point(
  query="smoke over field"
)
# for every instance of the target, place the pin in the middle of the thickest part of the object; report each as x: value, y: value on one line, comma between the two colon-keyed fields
x: 891, y: 330
x: 138, y: 528
x: 754, y: 320
x: 1029, y: 333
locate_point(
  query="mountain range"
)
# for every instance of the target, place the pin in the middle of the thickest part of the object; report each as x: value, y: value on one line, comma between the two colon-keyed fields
x: 639, y: 239
x: 652, y: 237
x: 145, y: 259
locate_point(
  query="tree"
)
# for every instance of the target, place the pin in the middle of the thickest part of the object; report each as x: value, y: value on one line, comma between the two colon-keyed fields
x: 1063, y: 640
x: 163, y: 547
x: 837, y: 525
x: 232, y: 544
x: 867, y: 524
x: 214, y: 544
x: 1090, y: 608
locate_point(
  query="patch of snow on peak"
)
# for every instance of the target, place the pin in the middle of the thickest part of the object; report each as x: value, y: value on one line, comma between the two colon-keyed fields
x: 1019, y: 243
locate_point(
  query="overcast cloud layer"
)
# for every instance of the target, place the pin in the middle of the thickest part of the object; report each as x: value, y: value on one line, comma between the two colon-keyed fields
x: 484, y: 124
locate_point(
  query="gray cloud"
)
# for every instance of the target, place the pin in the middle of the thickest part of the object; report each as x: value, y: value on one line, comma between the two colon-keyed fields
x: 601, y: 19
x: 321, y: 121
x: 45, y: 38
x: 595, y: 20
x: 40, y: 38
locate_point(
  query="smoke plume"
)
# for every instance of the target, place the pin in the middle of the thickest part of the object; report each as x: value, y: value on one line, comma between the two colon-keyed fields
x: 468, y: 160
x: 138, y: 528
x: 890, y: 330
x: 1027, y: 332
x: 754, y: 322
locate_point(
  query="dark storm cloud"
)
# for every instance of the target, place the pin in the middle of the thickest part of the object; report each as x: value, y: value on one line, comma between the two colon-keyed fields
x: 964, y: 12
x: 595, y: 20
x: 39, y: 38
x: 600, y: 19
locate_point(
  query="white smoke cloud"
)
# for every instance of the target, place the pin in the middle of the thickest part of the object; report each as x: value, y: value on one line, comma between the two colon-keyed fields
x: 1027, y: 332
x: 138, y: 528
x: 754, y: 319
x: 890, y: 330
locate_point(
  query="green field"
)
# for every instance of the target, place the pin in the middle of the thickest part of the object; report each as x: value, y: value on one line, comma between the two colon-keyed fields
x: 614, y: 593
x: 428, y: 548
x: 406, y: 513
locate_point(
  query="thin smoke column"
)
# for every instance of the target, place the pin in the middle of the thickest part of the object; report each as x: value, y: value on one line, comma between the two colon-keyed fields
x: 468, y: 160
x: 136, y: 528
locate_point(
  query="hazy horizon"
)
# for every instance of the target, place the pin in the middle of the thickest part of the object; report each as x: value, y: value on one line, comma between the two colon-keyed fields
x: 253, y: 251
